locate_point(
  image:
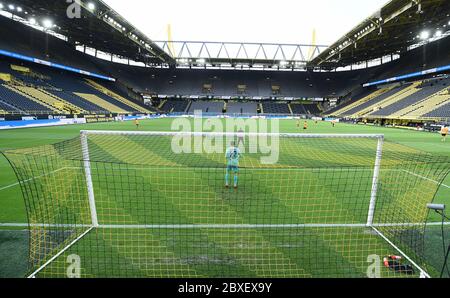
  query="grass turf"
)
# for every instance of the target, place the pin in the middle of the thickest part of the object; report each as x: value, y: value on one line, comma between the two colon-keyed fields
x: 172, y: 256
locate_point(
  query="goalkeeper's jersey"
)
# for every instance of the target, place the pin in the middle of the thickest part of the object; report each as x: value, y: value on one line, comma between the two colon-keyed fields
x: 233, y: 154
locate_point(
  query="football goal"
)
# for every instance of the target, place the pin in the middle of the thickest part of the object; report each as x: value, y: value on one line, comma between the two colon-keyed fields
x: 156, y: 204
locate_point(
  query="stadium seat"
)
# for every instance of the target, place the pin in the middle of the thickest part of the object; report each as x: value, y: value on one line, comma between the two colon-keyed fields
x: 21, y: 102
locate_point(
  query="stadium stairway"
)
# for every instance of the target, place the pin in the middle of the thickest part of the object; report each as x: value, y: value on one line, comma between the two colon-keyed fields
x: 177, y: 106
x: 313, y: 109
x: 44, y: 105
x: 371, y: 105
x: 402, y: 94
x: 345, y: 102
x: 3, y: 108
x: 7, y: 108
x: 161, y: 104
x: 360, y: 102
x: 74, y: 108
x: 424, y: 106
x: 116, y: 96
x: 78, y: 101
x: 298, y: 109
x: 101, y: 103
x: 441, y: 112
x: 402, y: 106
x: 290, y: 109
x: 50, y: 100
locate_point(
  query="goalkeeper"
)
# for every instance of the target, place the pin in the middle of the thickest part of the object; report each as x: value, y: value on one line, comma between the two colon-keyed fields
x: 232, y: 156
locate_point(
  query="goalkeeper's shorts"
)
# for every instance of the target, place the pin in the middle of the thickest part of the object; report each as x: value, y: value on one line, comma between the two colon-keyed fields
x: 232, y: 168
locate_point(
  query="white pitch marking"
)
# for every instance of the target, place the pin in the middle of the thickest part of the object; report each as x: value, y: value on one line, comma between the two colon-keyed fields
x: 28, y: 180
x: 401, y: 252
x: 219, y: 226
x: 33, y: 275
x: 425, y: 178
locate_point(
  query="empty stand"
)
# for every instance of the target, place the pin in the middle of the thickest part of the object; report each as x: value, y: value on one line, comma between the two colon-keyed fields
x: 104, y: 104
x: 6, y: 108
x: 57, y: 105
x: 354, y: 105
x: 397, y: 108
x: 80, y: 102
x: 215, y: 107
x: 312, y: 109
x: 442, y: 112
x: 298, y: 109
x: 118, y: 97
x: 372, y: 104
x: 21, y: 102
x: 275, y: 108
x: 249, y: 108
x: 426, y: 106
x: 175, y: 106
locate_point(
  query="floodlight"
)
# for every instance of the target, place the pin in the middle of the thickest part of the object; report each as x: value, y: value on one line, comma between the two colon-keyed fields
x: 91, y: 6
x: 19, y: 9
x: 1, y: 5
x: 424, y: 35
x: 438, y: 33
x: 11, y: 7
x: 32, y: 21
x: 47, y: 23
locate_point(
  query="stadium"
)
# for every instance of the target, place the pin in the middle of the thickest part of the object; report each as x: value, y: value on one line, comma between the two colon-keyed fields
x: 129, y: 157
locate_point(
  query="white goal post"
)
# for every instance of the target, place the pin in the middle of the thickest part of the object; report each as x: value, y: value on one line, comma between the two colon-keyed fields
x: 87, y: 167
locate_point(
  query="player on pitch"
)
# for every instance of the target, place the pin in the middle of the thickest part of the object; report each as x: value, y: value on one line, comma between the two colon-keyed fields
x: 232, y: 156
x: 444, y: 133
x: 240, y: 137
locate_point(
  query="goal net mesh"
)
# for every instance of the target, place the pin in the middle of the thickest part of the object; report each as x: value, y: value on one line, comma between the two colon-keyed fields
x: 163, y: 213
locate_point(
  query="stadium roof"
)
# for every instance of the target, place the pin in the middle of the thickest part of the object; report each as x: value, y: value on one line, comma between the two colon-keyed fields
x: 97, y: 26
x: 397, y: 26
x: 392, y: 30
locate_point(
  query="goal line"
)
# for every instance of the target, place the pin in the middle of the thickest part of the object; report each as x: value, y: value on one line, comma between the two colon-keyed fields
x: 218, y: 226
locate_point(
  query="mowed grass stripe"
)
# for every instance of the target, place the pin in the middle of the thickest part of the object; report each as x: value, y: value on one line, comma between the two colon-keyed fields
x: 129, y: 152
x: 132, y: 244
x: 398, y: 189
x: 159, y: 205
x: 311, y: 197
x: 154, y: 206
x: 98, y: 259
x: 199, y: 206
x: 337, y: 245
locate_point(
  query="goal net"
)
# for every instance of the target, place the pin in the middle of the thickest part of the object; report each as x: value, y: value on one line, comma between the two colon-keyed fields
x: 143, y: 204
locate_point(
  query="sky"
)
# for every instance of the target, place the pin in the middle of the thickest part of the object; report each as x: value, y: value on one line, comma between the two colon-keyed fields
x: 274, y: 21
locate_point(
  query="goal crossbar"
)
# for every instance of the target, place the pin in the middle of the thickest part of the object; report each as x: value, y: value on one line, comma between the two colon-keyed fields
x: 228, y: 134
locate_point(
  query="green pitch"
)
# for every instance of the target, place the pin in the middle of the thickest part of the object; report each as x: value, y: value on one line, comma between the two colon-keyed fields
x: 203, y: 252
